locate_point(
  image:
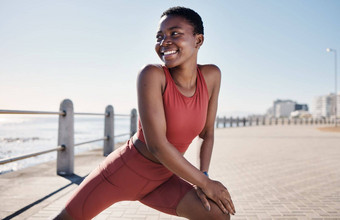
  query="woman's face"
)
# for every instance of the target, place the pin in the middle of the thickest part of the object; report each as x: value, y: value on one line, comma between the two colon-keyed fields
x: 176, y: 42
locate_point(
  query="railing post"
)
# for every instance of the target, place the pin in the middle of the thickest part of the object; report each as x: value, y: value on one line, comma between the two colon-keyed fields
x: 224, y: 121
x: 109, y: 143
x: 237, y: 121
x: 65, y: 158
x: 250, y: 121
x: 244, y: 122
x: 133, y: 122
x: 231, y: 122
x: 217, y: 120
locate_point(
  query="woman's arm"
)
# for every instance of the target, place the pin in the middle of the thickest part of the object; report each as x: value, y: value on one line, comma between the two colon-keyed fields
x: 213, y: 80
x: 212, y: 75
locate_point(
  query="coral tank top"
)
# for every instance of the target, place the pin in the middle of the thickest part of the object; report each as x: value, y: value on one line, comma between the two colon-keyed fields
x: 185, y: 116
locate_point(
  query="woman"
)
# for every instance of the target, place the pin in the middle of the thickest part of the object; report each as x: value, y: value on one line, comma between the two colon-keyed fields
x: 176, y: 102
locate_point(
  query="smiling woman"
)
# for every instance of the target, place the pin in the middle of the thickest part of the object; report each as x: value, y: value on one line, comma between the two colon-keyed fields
x: 177, y: 101
x: 178, y: 36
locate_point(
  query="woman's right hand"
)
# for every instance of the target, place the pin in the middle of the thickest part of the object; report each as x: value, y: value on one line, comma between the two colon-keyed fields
x: 217, y: 192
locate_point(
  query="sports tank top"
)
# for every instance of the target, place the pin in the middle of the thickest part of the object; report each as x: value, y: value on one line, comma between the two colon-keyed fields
x: 185, y: 116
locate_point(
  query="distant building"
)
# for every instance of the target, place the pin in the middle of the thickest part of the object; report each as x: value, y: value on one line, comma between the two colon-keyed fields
x: 283, y: 108
x: 324, y: 106
x: 303, y: 107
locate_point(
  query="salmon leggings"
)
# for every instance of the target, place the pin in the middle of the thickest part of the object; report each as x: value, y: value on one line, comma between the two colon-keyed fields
x: 126, y: 175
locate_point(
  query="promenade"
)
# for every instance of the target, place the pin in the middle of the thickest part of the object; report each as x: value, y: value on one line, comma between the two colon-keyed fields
x: 272, y: 172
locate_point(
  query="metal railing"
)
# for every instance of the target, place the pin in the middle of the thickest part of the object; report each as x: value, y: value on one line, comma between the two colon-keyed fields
x: 21, y: 157
x: 65, y: 146
x: 256, y: 121
x: 30, y: 112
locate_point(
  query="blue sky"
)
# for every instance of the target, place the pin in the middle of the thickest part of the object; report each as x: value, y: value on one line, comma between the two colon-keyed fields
x: 91, y: 51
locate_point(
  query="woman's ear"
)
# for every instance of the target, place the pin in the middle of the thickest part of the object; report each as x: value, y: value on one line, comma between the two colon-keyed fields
x: 199, y: 40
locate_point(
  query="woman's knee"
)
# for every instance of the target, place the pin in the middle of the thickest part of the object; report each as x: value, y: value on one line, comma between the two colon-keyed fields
x: 222, y: 217
x: 216, y: 213
x: 191, y: 207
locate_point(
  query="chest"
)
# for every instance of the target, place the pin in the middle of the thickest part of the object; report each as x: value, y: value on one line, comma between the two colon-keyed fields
x: 185, y: 116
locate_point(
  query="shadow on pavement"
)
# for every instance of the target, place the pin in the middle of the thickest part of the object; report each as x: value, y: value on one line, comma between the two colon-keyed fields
x: 74, y: 178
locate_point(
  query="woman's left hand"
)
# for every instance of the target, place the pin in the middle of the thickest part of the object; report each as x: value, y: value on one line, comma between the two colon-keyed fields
x: 203, y: 198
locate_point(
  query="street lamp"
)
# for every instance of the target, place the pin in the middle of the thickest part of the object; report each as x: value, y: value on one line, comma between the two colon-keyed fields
x: 336, y: 103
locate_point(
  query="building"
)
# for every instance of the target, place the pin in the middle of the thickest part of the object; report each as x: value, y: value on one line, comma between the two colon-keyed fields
x: 284, y: 108
x: 324, y: 106
x: 302, y: 107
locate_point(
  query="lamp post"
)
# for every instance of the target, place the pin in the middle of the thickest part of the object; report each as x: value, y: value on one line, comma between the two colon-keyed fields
x: 336, y: 90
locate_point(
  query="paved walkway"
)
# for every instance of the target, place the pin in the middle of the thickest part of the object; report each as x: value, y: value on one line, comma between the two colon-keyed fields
x: 273, y: 172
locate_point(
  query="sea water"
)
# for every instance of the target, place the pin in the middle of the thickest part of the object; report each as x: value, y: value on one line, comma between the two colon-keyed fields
x: 24, y: 134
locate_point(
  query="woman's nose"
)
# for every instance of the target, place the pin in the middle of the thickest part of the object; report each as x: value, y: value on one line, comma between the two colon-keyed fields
x: 165, y: 41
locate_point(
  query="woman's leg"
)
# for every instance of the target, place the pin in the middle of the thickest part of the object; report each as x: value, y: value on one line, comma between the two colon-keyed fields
x: 112, y: 181
x: 100, y: 190
x: 192, y: 208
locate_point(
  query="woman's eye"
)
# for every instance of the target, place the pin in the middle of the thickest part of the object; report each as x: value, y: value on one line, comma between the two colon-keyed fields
x: 175, y: 33
x: 159, y: 37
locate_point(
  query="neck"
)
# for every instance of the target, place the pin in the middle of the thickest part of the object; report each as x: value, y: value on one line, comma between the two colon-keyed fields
x: 185, y: 75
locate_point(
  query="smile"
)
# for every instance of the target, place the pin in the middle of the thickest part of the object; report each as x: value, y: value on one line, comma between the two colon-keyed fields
x: 170, y: 52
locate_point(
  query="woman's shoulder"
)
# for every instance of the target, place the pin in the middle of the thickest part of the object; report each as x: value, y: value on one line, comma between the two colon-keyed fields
x: 151, y: 69
x: 152, y: 72
x: 211, y: 69
x: 211, y: 72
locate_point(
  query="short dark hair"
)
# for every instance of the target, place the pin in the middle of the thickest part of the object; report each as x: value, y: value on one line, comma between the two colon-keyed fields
x: 190, y: 15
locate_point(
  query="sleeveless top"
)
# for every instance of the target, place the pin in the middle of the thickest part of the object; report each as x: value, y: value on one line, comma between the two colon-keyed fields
x: 185, y: 116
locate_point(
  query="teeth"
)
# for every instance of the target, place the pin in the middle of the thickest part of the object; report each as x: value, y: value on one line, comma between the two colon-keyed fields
x: 169, y: 52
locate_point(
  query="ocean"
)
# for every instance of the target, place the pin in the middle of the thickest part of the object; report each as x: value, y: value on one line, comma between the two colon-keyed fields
x: 23, y: 134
